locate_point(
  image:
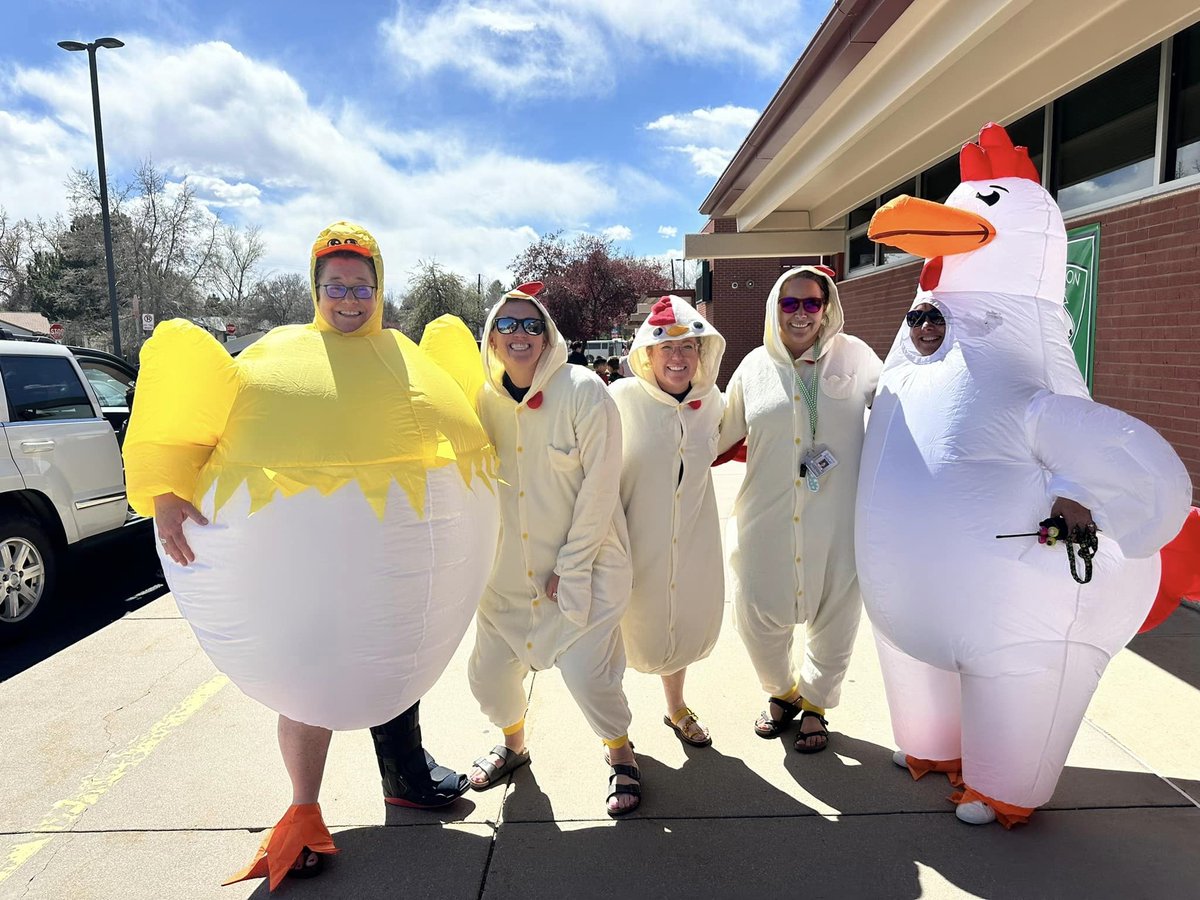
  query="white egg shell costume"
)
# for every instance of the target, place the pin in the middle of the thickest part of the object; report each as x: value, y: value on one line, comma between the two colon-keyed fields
x: 349, y: 490
x: 990, y: 650
x: 560, y: 468
x: 668, y: 447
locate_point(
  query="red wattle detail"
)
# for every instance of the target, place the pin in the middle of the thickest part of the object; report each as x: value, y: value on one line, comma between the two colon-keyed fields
x: 535, y: 401
x: 662, y: 313
x: 825, y: 270
x: 695, y: 404
x: 931, y: 273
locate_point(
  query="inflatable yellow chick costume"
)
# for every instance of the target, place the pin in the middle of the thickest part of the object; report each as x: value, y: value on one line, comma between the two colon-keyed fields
x: 347, y: 482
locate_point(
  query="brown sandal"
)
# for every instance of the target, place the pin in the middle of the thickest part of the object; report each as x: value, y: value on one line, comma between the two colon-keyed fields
x: 767, y: 727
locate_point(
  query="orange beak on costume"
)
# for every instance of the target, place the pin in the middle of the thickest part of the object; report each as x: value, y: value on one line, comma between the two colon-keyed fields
x: 929, y: 229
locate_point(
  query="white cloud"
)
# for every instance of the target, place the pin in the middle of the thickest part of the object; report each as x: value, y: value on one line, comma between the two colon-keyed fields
x: 551, y: 47
x: 258, y: 151
x: 668, y: 231
x: 708, y: 137
x: 617, y: 233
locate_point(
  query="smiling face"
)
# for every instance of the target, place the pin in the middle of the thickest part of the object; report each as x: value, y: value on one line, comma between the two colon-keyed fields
x: 674, y: 363
x: 348, y: 314
x: 928, y: 336
x: 518, y: 352
x: 800, y: 329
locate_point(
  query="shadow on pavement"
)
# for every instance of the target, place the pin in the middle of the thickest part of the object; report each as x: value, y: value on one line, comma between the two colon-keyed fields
x: 1172, y: 645
x: 102, y: 582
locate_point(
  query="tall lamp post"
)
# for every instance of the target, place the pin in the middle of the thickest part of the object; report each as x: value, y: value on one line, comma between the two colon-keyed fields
x: 109, y: 43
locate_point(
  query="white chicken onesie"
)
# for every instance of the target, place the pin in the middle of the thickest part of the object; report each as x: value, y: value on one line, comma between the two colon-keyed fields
x: 791, y: 549
x: 990, y: 649
x: 560, y: 470
x: 669, y: 445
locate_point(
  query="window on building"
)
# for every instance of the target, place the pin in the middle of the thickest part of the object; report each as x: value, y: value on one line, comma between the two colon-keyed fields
x: 1105, y: 134
x: 1030, y: 132
x: 1183, y: 145
x: 939, y: 180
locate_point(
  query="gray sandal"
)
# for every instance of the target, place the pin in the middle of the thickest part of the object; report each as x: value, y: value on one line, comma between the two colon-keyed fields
x: 510, y: 761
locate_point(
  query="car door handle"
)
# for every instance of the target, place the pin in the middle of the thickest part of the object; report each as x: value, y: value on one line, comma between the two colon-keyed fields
x: 37, y: 446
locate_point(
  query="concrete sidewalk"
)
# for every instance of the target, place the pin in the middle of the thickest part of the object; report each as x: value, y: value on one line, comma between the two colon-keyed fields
x: 130, y: 770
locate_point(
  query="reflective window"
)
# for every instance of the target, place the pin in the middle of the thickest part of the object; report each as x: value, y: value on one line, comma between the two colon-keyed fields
x: 40, y: 388
x: 938, y: 181
x: 1185, y: 105
x: 1105, y: 132
x: 861, y: 252
x: 909, y: 187
x: 862, y: 215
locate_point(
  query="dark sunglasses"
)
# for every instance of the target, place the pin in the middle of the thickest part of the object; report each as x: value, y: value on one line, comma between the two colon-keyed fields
x: 916, y: 317
x: 508, y: 325
x: 811, y: 304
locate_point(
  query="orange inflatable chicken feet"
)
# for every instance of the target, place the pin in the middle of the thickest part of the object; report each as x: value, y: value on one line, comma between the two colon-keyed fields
x: 301, y: 827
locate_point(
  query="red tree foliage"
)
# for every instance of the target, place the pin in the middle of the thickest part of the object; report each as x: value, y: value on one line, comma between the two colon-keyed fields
x: 590, y: 286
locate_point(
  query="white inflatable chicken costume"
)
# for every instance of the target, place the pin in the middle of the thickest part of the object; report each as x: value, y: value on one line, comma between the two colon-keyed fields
x: 990, y: 649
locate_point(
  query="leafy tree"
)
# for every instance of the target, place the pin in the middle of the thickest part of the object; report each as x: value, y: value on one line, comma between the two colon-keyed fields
x: 433, y: 291
x: 590, y: 287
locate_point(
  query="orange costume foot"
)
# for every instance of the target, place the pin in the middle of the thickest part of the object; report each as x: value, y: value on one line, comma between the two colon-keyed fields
x: 1007, y: 814
x: 300, y: 827
x: 952, y: 768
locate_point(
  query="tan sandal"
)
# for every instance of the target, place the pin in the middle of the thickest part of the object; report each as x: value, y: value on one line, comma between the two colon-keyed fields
x: 688, y: 728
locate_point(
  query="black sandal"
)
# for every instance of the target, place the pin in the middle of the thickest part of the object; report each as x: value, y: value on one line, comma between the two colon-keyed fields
x: 303, y: 869
x: 616, y: 790
x: 767, y: 728
x: 800, y: 746
x: 510, y: 761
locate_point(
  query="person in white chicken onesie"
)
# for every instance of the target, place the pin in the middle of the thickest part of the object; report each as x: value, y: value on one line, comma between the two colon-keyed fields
x: 670, y: 417
x: 561, y: 580
x: 798, y: 401
x: 990, y: 650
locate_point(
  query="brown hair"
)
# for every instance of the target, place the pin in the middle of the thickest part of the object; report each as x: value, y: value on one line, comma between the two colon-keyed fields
x: 819, y: 280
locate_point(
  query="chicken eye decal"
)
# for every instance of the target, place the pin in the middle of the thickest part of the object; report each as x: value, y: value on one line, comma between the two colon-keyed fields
x: 699, y: 326
x: 332, y: 242
x: 990, y: 199
x: 659, y: 331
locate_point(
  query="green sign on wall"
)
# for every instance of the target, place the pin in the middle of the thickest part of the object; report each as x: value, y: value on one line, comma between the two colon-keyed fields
x: 1083, y: 261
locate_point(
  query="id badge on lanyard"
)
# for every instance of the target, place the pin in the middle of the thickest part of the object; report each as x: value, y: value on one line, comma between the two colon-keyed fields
x: 819, y: 460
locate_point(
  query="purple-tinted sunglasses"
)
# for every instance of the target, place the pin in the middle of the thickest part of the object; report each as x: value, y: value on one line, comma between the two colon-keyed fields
x: 811, y: 304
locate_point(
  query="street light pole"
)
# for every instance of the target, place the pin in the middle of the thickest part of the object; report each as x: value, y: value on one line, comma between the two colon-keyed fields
x: 111, y: 44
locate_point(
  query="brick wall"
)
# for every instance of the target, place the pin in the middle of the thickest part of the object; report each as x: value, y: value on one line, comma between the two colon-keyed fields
x: 1147, y: 315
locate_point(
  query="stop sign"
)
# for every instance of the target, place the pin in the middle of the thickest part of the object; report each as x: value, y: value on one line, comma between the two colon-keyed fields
x: 56, y: 331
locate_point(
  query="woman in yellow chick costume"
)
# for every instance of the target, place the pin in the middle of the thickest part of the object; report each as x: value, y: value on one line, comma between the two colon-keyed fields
x: 327, y: 519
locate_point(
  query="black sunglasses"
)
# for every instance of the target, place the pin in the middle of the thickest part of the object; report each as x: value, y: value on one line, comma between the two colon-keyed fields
x: 508, y: 325
x: 916, y: 317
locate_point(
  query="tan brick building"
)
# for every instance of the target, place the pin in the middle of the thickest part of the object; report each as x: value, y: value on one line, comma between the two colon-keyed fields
x: 1105, y: 93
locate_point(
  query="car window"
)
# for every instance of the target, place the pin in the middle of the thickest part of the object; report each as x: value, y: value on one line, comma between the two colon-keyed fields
x: 109, y: 390
x: 42, y: 388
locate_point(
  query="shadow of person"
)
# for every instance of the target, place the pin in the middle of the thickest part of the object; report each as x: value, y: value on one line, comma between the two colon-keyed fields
x: 524, y: 799
x: 458, y: 811
x: 413, y: 861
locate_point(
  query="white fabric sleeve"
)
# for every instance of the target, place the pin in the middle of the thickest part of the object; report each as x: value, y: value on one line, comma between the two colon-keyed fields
x: 598, y: 431
x: 733, y: 420
x: 1117, y: 466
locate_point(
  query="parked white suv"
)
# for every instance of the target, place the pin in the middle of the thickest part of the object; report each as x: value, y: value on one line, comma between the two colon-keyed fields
x: 61, y: 476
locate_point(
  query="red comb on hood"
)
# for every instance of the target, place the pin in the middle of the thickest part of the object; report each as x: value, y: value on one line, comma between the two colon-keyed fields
x: 661, y: 313
x: 995, y: 157
x: 530, y: 287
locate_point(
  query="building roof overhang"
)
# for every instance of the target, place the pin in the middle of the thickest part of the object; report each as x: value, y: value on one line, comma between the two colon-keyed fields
x: 893, y: 87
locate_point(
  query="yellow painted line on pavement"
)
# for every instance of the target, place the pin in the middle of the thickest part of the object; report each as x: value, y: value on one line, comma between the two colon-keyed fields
x: 67, y: 812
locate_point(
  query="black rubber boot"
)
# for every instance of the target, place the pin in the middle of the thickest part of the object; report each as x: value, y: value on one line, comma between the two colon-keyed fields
x: 410, y: 775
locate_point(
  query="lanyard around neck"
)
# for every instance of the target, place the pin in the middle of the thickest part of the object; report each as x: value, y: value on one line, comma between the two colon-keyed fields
x: 809, y: 393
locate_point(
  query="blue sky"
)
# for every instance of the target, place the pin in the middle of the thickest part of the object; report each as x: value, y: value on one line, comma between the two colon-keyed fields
x: 456, y: 130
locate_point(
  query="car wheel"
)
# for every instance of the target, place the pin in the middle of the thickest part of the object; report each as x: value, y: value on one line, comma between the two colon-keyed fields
x: 28, y: 572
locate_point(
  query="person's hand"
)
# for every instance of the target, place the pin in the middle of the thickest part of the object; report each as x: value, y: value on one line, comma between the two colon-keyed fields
x: 552, y: 588
x: 1076, y: 514
x: 170, y: 512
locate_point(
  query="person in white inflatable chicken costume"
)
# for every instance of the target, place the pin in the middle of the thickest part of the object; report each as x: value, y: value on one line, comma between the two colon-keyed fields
x: 990, y: 650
